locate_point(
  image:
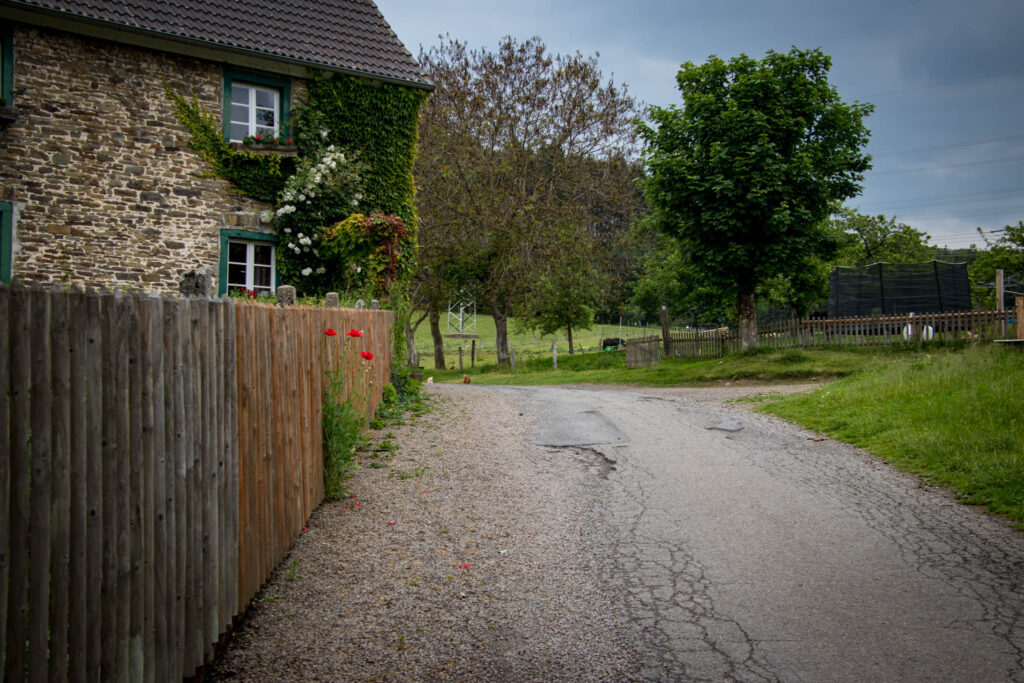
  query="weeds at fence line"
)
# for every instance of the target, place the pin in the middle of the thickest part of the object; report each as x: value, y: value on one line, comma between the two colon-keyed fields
x: 343, y: 423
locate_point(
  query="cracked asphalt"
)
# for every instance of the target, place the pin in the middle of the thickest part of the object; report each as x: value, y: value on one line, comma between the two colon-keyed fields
x: 626, y: 534
x: 748, y: 550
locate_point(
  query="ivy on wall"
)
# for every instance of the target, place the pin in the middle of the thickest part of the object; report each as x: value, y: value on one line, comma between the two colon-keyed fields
x: 375, y: 124
x: 255, y: 175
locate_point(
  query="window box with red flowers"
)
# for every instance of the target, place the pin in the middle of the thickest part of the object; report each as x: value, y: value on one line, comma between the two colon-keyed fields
x: 267, y: 144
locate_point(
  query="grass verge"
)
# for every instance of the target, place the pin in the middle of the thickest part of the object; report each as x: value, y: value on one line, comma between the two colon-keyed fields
x: 765, y: 366
x: 952, y: 417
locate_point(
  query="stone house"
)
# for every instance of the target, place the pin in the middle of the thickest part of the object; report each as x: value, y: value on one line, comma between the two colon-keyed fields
x: 100, y: 187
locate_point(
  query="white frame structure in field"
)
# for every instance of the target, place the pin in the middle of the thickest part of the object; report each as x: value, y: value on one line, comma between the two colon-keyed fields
x: 461, y: 319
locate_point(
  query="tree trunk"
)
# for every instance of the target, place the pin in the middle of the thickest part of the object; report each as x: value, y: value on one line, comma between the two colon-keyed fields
x: 501, y: 333
x: 412, y: 357
x: 568, y: 330
x: 747, y: 314
x: 435, y: 332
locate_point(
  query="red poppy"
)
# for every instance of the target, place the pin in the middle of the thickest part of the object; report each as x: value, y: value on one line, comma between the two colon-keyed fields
x: 289, y: 141
x: 367, y: 355
x: 259, y: 137
x: 354, y: 333
x: 391, y: 523
x: 358, y: 505
x: 464, y: 566
x: 330, y: 333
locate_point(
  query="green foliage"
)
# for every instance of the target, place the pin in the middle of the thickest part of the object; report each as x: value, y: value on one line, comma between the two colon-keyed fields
x: 342, y: 423
x: 745, y: 173
x: 1006, y: 253
x: 864, y: 240
x: 380, y: 243
x: 325, y: 186
x: 256, y: 175
x: 377, y: 122
x: 953, y: 418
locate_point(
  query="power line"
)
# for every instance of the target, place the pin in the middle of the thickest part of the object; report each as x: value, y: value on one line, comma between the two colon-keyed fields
x: 953, y: 145
x: 968, y: 198
x: 945, y: 84
x: 937, y: 167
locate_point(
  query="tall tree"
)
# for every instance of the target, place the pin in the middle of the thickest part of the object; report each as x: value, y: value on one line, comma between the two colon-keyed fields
x: 506, y: 142
x: 1006, y: 254
x: 743, y: 175
x: 864, y: 239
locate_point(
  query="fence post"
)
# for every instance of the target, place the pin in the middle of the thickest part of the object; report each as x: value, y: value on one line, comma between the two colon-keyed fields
x: 460, y: 359
x: 472, y: 353
x: 665, y: 338
x: 512, y: 360
x: 554, y: 355
x: 1020, y: 317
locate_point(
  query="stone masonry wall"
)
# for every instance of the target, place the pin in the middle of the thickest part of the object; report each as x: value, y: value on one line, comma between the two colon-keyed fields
x: 106, y: 191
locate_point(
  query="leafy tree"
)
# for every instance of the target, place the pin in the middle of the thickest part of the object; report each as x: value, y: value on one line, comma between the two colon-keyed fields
x: 562, y: 293
x: 864, y: 240
x: 743, y: 175
x: 1006, y: 253
x: 507, y: 145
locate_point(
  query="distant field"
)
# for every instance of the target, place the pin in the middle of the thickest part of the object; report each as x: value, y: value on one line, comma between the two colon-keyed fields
x: 525, y: 343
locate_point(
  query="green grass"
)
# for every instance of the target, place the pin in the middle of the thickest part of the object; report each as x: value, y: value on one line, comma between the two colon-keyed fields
x: 952, y: 417
x: 610, y: 368
x: 526, y: 343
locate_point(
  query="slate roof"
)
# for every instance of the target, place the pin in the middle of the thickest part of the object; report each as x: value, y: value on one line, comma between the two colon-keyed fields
x: 350, y: 35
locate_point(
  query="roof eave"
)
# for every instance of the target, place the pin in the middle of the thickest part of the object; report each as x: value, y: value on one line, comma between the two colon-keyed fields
x: 191, y: 47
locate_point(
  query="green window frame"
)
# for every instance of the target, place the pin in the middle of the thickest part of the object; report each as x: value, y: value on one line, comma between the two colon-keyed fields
x: 7, y: 67
x: 281, y: 86
x: 6, y: 241
x: 227, y: 236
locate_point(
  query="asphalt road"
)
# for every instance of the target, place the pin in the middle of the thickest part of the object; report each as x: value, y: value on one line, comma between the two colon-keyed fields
x: 747, y: 550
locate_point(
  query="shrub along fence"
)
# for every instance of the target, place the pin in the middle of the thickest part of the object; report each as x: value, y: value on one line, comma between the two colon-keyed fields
x: 869, y: 331
x: 161, y: 457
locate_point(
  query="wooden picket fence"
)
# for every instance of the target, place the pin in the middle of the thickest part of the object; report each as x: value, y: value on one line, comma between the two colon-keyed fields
x: 161, y: 457
x: 942, y: 328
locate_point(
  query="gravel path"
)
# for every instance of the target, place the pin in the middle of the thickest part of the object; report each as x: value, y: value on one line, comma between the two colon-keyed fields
x: 378, y: 588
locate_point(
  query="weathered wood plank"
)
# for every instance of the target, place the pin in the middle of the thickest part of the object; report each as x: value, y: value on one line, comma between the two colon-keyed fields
x: 5, y: 473
x: 19, y: 453
x: 39, y: 511
x: 180, y: 462
x: 132, y: 478
x: 231, y: 456
x: 151, y: 370
x: 78, y: 396
x: 60, y: 483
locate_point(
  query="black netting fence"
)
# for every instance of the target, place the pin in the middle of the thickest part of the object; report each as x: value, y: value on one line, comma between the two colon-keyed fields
x: 894, y: 289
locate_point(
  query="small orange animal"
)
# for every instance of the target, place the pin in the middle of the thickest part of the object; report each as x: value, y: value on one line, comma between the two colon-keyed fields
x: 466, y: 379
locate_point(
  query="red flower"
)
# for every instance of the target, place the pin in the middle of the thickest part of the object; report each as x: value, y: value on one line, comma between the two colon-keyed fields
x: 367, y: 355
x: 391, y: 523
x: 358, y: 505
x: 464, y: 566
x: 259, y: 137
x: 354, y: 333
x: 289, y: 141
x: 330, y: 333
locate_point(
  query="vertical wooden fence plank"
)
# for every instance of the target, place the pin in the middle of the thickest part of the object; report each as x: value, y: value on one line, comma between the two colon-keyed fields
x: 93, y: 359
x: 19, y: 335
x: 231, y: 436
x: 5, y: 466
x: 180, y: 463
x: 151, y: 369
x: 39, y: 510
x: 211, y: 537
x: 60, y: 499
x: 78, y: 623
x: 112, y: 356
x: 133, y: 501
x: 193, y: 441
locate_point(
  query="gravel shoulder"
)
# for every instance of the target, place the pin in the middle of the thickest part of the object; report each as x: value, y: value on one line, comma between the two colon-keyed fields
x: 376, y: 589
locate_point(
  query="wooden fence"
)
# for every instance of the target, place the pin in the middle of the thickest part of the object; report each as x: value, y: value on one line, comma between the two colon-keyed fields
x: 874, y: 331
x: 161, y: 457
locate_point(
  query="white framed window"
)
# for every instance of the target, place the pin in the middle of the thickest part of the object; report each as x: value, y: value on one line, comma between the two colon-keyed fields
x: 255, y: 110
x: 250, y: 265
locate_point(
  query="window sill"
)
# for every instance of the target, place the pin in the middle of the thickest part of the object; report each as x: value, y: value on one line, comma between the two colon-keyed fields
x: 282, y: 150
x: 8, y: 114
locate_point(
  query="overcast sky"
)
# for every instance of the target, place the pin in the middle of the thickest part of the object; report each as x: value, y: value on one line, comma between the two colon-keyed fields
x: 946, y: 78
